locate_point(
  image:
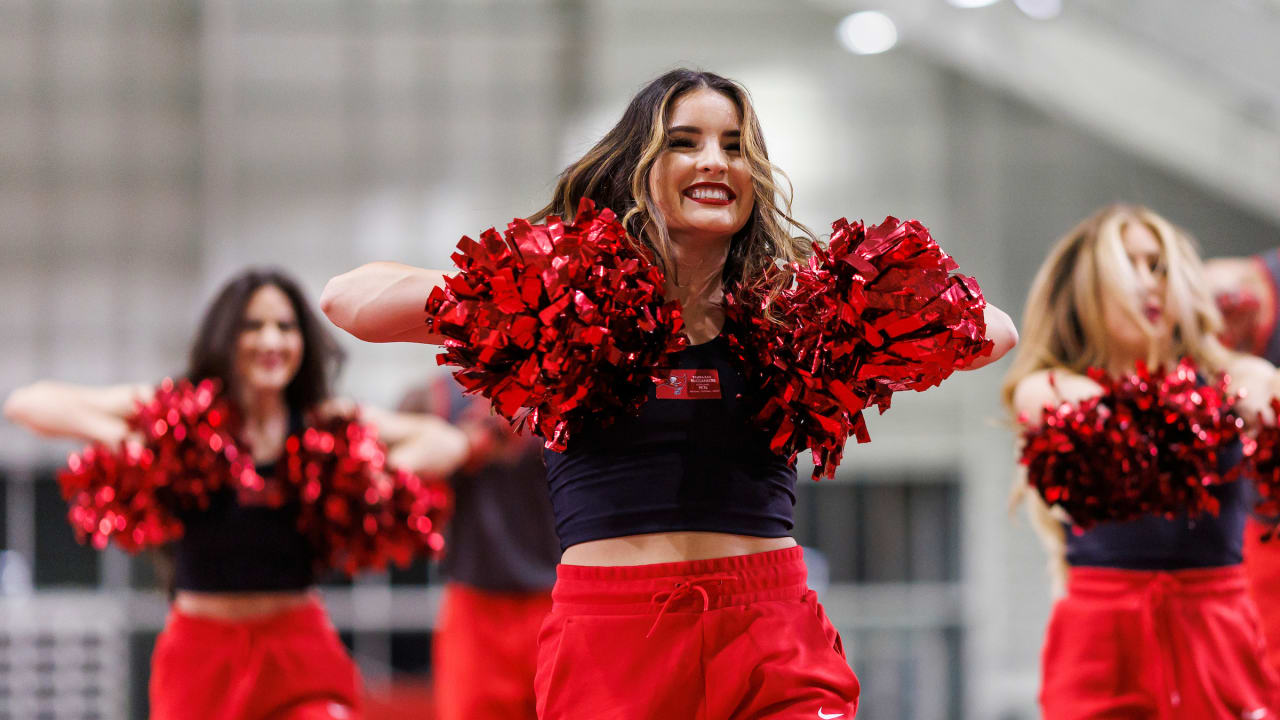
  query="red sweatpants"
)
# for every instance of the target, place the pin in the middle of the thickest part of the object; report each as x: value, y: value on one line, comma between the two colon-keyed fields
x: 485, y: 652
x: 1167, y: 645
x: 288, y: 666
x: 724, y: 639
x: 1262, y: 566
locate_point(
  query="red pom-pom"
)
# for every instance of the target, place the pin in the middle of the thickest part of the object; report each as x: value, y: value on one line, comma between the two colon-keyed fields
x: 1265, y: 469
x: 1149, y: 444
x: 131, y: 494
x: 558, y: 324
x: 358, y: 514
x: 874, y: 312
x: 112, y: 498
x: 188, y: 430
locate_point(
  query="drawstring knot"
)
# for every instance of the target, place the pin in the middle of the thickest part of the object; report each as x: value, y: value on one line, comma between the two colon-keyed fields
x: 684, y: 589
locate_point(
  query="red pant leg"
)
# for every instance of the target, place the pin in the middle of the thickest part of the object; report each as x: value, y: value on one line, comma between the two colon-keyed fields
x: 485, y: 653
x: 259, y: 669
x: 1262, y: 566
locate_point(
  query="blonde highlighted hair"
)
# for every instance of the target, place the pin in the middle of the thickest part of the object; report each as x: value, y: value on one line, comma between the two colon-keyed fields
x: 1063, y: 325
x: 615, y: 174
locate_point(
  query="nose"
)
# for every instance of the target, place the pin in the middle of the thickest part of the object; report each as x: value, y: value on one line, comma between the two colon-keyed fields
x: 270, y: 335
x: 713, y: 159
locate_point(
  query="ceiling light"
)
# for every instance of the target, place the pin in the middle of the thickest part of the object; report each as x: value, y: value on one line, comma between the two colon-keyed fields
x: 867, y: 33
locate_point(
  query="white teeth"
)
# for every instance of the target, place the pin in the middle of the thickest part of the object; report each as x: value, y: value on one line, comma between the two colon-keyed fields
x: 708, y: 193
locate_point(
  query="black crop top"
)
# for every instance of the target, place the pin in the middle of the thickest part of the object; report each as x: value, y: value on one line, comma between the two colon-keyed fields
x: 691, y: 460
x: 241, y: 544
x: 1154, y: 543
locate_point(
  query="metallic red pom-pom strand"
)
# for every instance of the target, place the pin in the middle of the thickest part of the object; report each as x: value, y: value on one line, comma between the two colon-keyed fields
x: 1150, y: 444
x: 874, y: 312
x: 558, y: 324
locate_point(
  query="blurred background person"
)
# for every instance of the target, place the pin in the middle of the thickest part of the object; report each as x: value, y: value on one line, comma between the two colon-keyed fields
x: 499, y: 564
x: 1155, y: 620
x: 1245, y: 289
x: 247, y: 637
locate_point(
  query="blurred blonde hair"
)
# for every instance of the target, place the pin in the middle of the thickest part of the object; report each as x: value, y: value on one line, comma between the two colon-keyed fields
x: 1063, y: 325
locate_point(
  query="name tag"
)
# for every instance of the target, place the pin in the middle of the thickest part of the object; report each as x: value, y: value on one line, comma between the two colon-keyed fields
x: 690, y: 385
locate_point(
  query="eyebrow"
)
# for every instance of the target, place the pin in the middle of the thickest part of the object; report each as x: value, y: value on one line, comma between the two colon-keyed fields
x: 698, y: 130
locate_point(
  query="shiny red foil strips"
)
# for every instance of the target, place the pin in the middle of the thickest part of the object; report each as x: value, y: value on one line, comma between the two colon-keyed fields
x: 1264, y: 467
x: 112, y: 497
x: 358, y: 513
x: 560, y: 324
x: 130, y: 494
x: 1150, y: 444
x: 874, y: 312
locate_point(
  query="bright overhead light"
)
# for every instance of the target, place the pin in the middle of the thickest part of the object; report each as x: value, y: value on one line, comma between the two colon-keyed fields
x: 867, y: 33
x: 971, y: 3
x: 1040, y: 9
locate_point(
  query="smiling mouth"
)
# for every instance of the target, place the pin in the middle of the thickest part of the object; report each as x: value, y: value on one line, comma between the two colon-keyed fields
x: 710, y: 194
x: 1152, y: 313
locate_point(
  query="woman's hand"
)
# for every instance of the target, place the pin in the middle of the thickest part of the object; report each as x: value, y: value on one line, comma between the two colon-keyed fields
x: 382, y: 302
x: 1001, y: 332
x: 1050, y: 388
x: 92, y: 414
x: 421, y: 443
x: 1257, y: 383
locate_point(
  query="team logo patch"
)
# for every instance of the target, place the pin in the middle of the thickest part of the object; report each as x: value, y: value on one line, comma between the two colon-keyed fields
x: 690, y: 385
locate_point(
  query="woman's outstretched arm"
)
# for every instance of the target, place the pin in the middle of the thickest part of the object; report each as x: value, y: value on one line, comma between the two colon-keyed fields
x: 382, y: 302
x: 1000, y: 331
x: 92, y: 414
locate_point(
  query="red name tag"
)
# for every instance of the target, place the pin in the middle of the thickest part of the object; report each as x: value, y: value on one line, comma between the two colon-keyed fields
x: 690, y: 385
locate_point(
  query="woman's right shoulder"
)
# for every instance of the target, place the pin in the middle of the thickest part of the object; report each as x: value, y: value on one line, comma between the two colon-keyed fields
x: 1051, y: 387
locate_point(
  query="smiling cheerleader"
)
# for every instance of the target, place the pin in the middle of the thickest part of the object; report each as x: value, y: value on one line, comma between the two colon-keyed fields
x: 680, y: 592
x: 257, y: 480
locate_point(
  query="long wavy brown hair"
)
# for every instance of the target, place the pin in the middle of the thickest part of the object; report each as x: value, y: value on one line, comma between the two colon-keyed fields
x: 615, y: 174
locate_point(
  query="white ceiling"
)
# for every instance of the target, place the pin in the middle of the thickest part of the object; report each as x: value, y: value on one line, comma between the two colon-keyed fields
x: 1191, y: 85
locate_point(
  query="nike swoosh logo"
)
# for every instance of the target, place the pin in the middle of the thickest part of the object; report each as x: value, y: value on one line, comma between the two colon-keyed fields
x: 825, y: 716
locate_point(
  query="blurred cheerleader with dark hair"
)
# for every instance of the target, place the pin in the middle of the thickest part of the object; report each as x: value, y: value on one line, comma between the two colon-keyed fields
x: 231, y: 465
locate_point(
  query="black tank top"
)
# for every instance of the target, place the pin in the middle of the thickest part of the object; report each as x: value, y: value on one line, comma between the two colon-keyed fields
x: 1155, y: 543
x: 242, y: 544
x: 691, y: 460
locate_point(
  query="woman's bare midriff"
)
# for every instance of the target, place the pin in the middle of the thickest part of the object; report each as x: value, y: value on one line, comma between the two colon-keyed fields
x: 239, y: 606
x: 669, y: 547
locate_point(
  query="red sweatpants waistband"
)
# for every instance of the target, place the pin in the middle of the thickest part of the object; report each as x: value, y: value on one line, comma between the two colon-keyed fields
x: 718, y: 583
x: 1097, y: 581
x: 304, y: 618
